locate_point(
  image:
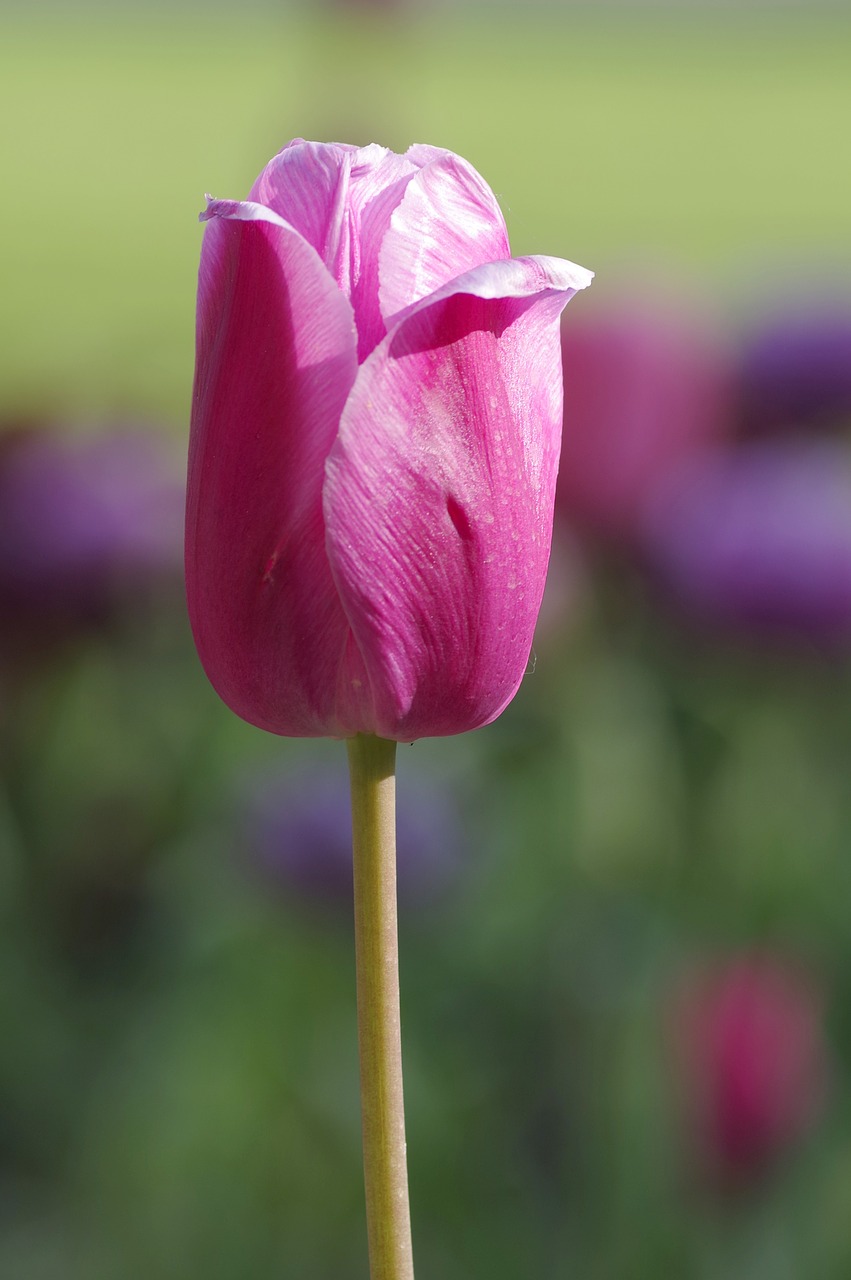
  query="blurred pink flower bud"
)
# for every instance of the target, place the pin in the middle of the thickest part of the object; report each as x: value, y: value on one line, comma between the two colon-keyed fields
x: 752, y: 1062
x: 375, y: 437
x: 643, y: 390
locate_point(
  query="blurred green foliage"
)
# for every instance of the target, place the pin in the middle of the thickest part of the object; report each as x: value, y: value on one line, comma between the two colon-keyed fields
x: 706, y: 143
x: 178, y: 1074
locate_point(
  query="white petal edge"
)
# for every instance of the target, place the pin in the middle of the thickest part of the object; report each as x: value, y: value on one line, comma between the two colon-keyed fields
x: 506, y: 278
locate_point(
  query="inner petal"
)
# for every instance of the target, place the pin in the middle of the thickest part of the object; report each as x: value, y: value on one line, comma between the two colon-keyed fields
x: 447, y: 222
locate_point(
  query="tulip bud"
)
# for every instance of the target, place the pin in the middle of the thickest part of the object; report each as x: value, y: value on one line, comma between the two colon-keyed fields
x: 375, y: 435
x: 752, y: 1061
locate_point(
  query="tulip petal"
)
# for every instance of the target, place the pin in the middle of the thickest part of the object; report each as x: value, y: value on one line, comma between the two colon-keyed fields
x: 391, y: 229
x: 312, y: 184
x: 341, y: 199
x: 439, y: 495
x: 276, y: 358
x: 447, y: 222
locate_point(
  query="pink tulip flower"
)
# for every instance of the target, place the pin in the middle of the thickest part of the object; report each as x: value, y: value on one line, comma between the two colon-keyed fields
x: 750, y: 1045
x: 375, y: 437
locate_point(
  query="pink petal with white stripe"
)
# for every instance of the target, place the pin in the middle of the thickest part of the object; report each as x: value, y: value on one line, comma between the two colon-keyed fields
x: 439, y: 495
x: 276, y: 359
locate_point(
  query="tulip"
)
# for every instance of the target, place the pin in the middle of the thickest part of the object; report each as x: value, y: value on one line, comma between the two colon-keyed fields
x: 752, y: 1060
x: 376, y: 424
x: 374, y: 445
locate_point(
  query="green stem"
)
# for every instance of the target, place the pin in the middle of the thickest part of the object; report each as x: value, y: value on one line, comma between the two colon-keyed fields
x: 372, y: 771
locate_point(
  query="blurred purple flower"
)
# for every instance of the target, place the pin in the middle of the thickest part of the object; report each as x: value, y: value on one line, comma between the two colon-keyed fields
x: 297, y: 831
x: 758, y: 539
x: 642, y: 392
x: 751, y: 1059
x: 796, y: 372
x: 85, y: 521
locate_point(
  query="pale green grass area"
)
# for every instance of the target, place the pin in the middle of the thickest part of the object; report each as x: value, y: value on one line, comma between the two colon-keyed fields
x: 718, y: 147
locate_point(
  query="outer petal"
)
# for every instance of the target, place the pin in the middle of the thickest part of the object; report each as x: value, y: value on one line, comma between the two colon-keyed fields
x: 275, y: 362
x: 439, y: 495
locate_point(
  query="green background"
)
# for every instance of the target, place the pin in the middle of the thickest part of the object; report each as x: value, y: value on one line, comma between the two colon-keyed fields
x: 178, y: 1098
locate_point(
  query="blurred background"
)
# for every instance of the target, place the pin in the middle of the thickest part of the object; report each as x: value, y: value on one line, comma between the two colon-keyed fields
x: 624, y: 907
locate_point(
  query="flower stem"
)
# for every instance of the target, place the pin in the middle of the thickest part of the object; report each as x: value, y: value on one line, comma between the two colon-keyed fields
x: 372, y: 770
